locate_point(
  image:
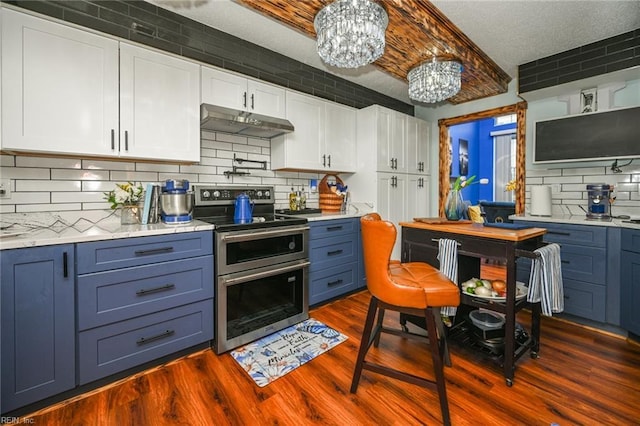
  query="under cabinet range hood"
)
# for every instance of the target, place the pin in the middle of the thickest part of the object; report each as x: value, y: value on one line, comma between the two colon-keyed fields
x: 227, y: 120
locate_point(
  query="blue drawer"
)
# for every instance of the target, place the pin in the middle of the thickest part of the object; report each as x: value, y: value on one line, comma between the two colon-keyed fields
x: 127, y: 252
x: 112, y: 296
x: 584, y: 263
x: 330, y: 252
x: 584, y: 300
x: 116, y: 347
x: 332, y: 282
x: 631, y: 240
x: 586, y: 235
x: 330, y: 228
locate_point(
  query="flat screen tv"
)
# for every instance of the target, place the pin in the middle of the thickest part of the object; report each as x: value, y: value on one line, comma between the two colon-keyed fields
x: 610, y: 134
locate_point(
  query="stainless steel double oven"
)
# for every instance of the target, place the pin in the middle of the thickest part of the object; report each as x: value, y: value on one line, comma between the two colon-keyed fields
x: 261, y: 268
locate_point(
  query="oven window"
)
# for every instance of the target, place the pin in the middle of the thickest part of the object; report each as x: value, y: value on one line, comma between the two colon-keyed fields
x: 245, y: 251
x: 256, y: 304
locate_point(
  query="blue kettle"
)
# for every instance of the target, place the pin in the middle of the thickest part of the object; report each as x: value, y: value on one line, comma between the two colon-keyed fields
x: 243, y: 209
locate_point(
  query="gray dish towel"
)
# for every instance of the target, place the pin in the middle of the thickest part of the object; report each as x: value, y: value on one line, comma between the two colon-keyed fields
x: 545, y: 283
x: 448, y: 257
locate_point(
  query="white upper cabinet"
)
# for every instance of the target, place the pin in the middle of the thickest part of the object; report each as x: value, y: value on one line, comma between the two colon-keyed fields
x: 159, y: 106
x: 301, y: 149
x: 417, y: 146
x: 240, y: 93
x: 324, y: 138
x: 59, y: 87
x: 390, y: 135
x: 68, y: 91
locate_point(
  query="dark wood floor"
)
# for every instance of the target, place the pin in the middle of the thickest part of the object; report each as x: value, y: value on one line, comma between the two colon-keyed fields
x: 583, y: 377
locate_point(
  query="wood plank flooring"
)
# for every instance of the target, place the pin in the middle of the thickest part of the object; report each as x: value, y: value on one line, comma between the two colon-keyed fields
x: 583, y: 377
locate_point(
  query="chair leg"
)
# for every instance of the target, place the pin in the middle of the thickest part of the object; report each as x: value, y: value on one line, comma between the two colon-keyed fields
x: 365, y: 343
x: 376, y: 337
x: 438, y: 368
x: 442, y: 341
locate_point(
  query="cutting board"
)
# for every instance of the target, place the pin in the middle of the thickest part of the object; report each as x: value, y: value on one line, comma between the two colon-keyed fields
x: 440, y: 221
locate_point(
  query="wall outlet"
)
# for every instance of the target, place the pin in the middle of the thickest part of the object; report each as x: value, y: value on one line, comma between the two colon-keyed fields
x: 5, y: 188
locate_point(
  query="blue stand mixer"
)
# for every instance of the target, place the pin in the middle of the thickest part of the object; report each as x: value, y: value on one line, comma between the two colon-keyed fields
x: 176, y: 202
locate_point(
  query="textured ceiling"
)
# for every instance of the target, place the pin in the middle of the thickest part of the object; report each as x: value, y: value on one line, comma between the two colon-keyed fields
x: 510, y: 32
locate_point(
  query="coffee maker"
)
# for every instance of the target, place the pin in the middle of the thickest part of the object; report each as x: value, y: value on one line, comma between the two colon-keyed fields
x: 599, y: 196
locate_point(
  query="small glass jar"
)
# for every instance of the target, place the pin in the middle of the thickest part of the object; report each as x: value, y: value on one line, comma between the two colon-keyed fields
x: 129, y: 214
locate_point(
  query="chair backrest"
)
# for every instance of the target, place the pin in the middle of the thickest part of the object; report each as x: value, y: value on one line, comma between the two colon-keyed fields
x: 378, y: 238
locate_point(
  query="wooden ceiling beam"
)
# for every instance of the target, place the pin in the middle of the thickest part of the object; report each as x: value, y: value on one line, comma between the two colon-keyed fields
x: 417, y: 30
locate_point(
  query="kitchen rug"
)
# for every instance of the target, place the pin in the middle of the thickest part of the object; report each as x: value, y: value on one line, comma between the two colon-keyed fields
x: 277, y: 354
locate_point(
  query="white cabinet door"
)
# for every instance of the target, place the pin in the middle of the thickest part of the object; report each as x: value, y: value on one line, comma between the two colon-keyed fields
x: 159, y: 106
x: 340, y: 138
x: 417, y: 196
x: 398, y: 141
x: 417, y: 146
x: 301, y: 149
x: 224, y: 89
x: 392, y: 206
x: 385, y: 143
x: 59, y: 88
x: 266, y: 99
x: 242, y: 94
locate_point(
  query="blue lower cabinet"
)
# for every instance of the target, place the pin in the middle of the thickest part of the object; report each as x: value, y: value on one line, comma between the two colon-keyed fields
x: 38, y: 330
x: 630, y: 281
x: 116, y: 347
x: 336, y: 259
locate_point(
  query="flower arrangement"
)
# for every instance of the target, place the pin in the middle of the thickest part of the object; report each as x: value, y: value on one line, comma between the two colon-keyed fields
x: 463, y: 182
x: 511, y: 185
x: 125, y: 193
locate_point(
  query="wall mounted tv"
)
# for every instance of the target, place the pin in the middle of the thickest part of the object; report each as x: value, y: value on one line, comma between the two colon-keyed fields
x: 610, y: 134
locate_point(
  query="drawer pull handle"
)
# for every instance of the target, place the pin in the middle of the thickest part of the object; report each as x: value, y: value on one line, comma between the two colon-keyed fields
x: 145, y: 291
x: 154, y: 251
x: 565, y: 234
x: 334, y: 228
x: 437, y: 240
x: 336, y: 282
x: 334, y: 252
x: 565, y: 261
x: 145, y: 340
x: 65, y: 265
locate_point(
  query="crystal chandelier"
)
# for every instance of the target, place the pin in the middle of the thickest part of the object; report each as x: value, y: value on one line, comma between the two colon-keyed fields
x: 434, y: 81
x: 350, y: 33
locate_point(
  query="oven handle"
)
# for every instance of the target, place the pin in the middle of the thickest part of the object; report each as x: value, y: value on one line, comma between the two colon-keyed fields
x: 270, y: 272
x: 260, y: 234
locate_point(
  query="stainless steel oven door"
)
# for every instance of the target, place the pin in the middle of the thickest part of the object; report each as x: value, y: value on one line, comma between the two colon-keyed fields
x: 255, y: 248
x: 253, y: 304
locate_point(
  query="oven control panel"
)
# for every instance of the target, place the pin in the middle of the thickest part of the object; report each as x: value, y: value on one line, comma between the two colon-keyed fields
x: 224, y: 195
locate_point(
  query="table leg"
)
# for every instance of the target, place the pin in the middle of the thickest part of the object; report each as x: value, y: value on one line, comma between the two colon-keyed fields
x: 510, y: 320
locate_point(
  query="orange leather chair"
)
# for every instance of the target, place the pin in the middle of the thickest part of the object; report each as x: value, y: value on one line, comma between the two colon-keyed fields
x: 413, y: 288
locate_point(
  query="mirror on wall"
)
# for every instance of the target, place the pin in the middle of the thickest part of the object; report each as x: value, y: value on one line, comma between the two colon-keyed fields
x: 496, y: 152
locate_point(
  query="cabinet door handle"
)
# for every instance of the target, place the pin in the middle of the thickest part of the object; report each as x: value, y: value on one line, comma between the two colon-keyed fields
x: 65, y: 265
x: 113, y: 139
x: 566, y: 234
x: 145, y: 340
x: 252, y: 102
x: 336, y: 282
x: 126, y: 140
x: 244, y: 99
x: 144, y: 291
x: 324, y: 161
x: 334, y: 252
x: 329, y: 158
x: 153, y: 251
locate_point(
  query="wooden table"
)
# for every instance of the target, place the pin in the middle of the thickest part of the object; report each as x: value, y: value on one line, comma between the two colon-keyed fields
x: 475, y: 241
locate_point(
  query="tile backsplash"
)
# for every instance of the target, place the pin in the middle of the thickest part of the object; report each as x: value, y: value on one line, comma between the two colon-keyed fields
x: 39, y: 184
x: 569, y: 187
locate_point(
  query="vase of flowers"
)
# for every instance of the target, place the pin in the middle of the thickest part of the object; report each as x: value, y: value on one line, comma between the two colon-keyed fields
x: 454, y: 208
x: 126, y: 197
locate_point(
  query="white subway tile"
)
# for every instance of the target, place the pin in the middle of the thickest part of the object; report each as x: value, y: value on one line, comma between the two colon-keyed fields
x: 25, y: 173
x: 131, y: 176
x: 51, y: 162
x: 63, y: 174
x: 47, y: 185
x: 93, y: 163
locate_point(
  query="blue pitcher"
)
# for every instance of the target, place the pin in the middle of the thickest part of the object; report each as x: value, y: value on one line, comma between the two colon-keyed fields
x: 243, y: 209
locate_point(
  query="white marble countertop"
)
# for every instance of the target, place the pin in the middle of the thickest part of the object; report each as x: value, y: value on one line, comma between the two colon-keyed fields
x: 577, y: 220
x: 43, y: 229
